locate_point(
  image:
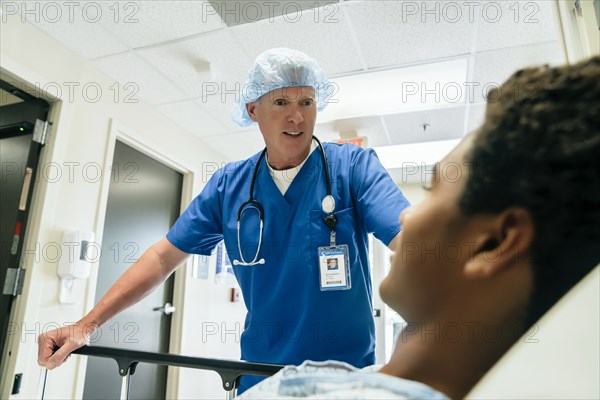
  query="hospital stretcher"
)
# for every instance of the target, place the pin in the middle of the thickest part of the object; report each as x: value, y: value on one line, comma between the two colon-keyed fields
x: 230, y: 371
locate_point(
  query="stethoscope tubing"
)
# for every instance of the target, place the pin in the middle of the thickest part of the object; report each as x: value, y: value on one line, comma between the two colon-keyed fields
x: 330, y: 220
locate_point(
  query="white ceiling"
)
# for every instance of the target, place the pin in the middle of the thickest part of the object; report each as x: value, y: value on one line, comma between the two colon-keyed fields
x: 160, y: 46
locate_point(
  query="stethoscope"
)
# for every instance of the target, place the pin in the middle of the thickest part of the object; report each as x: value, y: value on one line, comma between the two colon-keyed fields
x: 327, y: 205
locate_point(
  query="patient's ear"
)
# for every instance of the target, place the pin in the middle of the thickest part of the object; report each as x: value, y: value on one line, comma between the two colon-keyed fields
x: 506, y: 240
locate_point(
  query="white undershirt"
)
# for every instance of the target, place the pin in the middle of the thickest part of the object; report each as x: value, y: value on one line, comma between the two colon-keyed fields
x: 284, y: 178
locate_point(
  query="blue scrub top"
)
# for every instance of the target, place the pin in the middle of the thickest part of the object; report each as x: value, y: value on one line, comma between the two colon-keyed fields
x: 289, y: 318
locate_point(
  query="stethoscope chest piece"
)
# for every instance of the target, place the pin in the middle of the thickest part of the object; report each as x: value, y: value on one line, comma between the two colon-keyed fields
x: 328, y: 204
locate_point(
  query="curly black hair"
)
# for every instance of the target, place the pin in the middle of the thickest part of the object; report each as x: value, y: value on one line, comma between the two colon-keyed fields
x: 539, y: 148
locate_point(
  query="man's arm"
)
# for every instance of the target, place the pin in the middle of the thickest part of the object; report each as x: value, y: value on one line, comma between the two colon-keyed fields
x: 153, y: 267
x: 376, y: 197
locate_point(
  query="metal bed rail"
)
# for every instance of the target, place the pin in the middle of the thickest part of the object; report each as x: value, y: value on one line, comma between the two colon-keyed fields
x: 230, y: 371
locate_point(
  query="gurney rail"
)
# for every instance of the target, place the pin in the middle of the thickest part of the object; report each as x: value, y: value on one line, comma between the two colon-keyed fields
x: 229, y: 370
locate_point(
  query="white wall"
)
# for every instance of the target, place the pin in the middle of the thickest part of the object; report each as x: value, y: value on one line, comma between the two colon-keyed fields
x: 211, y: 332
x: 380, y: 264
x: 81, y: 134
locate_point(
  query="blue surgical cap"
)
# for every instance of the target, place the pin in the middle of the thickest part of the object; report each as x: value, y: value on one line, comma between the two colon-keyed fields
x: 280, y: 68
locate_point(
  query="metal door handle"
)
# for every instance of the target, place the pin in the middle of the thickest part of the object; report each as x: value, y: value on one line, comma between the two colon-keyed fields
x: 168, y: 309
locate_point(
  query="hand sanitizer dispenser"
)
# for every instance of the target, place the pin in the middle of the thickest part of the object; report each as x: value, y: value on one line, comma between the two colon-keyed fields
x: 75, y: 261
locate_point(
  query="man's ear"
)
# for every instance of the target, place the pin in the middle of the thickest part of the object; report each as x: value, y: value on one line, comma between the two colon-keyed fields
x: 507, y: 241
x: 251, y: 109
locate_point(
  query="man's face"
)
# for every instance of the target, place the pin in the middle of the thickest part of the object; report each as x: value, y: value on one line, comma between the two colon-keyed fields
x: 435, y: 241
x: 286, y: 118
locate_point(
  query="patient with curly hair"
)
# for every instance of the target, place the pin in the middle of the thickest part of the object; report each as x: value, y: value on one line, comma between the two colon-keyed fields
x: 514, y: 228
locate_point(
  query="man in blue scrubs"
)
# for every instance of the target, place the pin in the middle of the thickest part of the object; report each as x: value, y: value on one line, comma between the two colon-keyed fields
x: 297, y: 309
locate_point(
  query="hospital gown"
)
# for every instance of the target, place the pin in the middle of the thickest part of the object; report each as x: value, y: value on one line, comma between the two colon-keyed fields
x: 338, y: 380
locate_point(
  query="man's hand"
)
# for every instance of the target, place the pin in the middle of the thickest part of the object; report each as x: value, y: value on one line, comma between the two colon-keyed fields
x: 153, y: 267
x: 55, y: 347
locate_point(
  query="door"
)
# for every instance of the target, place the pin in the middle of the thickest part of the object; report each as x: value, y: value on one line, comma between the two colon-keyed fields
x: 22, y: 135
x: 144, y: 201
x: 13, y: 156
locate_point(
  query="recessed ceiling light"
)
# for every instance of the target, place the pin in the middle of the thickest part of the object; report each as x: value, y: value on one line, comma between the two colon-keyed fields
x: 414, y: 154
x: 419, y: 87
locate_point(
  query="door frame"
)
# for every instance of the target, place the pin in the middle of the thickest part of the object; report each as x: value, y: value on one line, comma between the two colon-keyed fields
x: 8, y: 70
x: 120, y: 132
x: 574, y: 30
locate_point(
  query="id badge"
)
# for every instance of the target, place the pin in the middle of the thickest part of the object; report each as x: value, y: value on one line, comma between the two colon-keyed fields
x: 334, y: 268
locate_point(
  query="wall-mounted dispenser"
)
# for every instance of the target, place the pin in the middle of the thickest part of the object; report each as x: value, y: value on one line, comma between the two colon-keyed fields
x: 77, y: 252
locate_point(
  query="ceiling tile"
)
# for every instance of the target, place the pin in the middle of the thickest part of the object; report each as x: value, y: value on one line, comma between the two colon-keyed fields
x: 77, y: 25
x: 514, y: 23
x: 394, y: 33
x: 322, y: 33
x: 190, y: 116
x: 142, y: 23
x: 247, y: 12
x: 444, y: 124
x: 494, y: 67
x: 221, y: 111
x: 217, y: 89
x: 128, y: 68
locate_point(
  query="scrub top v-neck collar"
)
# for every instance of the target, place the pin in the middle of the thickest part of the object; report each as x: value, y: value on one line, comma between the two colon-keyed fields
x: 268, y: 192
x: 283, y: 178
